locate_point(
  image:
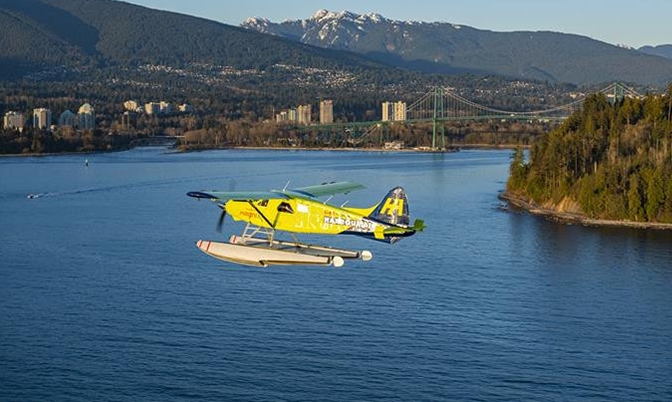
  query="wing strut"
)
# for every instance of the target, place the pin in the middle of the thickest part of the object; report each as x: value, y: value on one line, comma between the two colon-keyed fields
x: 261, y: 214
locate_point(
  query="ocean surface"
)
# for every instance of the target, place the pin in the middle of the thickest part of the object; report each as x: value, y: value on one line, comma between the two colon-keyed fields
x: 104, y: 296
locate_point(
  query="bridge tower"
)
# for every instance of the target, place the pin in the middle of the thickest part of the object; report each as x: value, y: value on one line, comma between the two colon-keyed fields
x: 439, y: 117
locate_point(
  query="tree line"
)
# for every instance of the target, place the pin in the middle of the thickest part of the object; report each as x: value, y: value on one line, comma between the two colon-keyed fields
x: 613, y: 158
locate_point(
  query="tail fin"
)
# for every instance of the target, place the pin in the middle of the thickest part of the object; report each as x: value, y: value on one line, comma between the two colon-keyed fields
x: 393, y: 209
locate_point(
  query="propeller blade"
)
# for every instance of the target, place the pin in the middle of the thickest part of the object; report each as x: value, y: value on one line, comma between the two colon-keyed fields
x: 220, y: 222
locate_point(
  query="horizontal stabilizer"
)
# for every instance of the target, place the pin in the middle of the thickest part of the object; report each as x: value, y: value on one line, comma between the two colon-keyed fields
x: 419, y: 225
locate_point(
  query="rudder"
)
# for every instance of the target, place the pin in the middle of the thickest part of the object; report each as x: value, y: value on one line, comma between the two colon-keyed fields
x: 393, y: 209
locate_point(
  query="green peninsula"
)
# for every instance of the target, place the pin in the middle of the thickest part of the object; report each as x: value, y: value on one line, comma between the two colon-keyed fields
x: 611, y: 161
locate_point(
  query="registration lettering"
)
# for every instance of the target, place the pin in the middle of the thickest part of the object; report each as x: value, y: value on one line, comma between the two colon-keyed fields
x: 357, y: 225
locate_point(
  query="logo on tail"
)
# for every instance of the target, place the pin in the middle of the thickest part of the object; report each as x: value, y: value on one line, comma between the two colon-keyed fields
x: 393, y: 209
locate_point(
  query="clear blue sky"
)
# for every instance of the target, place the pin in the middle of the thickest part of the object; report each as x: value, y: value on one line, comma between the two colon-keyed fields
x: 630, y: 22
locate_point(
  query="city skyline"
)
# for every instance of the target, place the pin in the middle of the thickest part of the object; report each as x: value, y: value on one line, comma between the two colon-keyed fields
x: 617, y: 22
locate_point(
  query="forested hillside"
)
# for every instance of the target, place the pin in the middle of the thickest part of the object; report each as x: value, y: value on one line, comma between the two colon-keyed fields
x: 607, y: 161
x: 450, y: 48
x: 75, y: 33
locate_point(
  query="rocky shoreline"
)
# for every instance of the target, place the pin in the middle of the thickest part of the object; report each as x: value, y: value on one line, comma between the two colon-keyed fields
x: 574, y: 217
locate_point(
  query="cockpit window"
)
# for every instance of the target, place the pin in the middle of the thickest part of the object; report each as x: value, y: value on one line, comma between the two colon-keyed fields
x: 285, y: 207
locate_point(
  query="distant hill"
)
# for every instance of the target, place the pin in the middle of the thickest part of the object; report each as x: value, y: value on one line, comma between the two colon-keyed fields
x: 62, y: 53
x: 660, y: 50
x: 449, y: 48
x: 80, y: 37
x: 39, y: 33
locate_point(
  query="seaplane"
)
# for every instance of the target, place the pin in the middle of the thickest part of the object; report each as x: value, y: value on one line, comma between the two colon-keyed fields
x: 303, y: 211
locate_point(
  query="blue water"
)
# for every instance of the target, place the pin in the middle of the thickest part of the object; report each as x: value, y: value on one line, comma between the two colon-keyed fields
x: 104, y: 296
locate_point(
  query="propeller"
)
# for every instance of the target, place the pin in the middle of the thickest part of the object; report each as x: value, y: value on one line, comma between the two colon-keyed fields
x: 220, y: 222
x: 222, y: 216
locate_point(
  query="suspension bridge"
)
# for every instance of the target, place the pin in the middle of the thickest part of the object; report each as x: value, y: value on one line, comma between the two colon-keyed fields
x: 440, y: 105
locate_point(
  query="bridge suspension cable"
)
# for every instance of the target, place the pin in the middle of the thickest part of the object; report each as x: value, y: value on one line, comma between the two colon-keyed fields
x: 442, y: 104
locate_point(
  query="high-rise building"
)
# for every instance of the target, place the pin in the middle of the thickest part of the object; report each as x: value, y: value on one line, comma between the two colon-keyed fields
x: 14, y: 120
x: 41, y: 118
x: 282, y: 117
x: 86, y: 118
x: 292, y: 115
x: 304, y: 112
x: 394, y: 111
x: 131, y: 105
x: 326, y: 112
x: 166, y: 107
x: 388, y: 111
x: 66, y: 119
x: 152, y: 108
x: 400, y: 111
x: 128, y: 120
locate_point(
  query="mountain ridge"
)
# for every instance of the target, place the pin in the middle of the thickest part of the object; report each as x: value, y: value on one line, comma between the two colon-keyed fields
x: 448, y: 48
x: 39, y: 33
x: 659, y: 50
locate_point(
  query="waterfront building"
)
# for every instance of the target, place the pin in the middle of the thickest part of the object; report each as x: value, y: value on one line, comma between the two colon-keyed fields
x: 86, y: 118
x: 301, y: 115
x: 394, y: 145
x: 400, y: 111
x: 326, y: 112
x: 394, y: 111
x: 282, y: 117
x: 292, y: 115
x: 386, y: 107
x: 66, y: 119
x: 14, y: 121
x: 41, y: 118
x: 304, y: 114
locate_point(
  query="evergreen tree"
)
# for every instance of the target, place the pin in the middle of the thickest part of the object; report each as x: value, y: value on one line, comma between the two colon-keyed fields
x: 613, y: 158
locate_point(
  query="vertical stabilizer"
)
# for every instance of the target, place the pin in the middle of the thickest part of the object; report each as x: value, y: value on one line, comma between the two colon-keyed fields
x: 393, y: 209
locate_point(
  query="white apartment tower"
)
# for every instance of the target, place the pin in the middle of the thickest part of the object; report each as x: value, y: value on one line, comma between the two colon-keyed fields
x: 326, y: 112
x: 86, y: 118
x: 304, y: 116
x: 394, y: 111
x: 41, y: 118
x: 14, y: 120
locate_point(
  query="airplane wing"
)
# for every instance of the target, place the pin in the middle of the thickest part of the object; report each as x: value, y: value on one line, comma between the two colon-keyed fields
x: 236, y: 195
x: 341, y: 187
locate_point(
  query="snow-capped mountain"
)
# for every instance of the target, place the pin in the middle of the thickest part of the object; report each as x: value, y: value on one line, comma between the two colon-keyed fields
x: 445, y: 47
x: 325, y: 28
x: 363, y: 33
